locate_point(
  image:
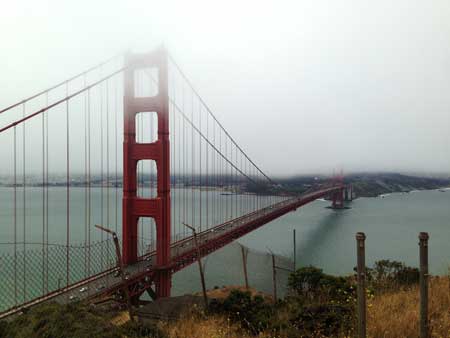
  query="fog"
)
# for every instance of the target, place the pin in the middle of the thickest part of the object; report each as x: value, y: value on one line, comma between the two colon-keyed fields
x: 303, y: 86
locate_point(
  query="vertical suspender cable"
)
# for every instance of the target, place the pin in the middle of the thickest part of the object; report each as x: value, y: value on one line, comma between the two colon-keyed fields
x: 67, y: 191
x: 179, y: 174
x: 86, y: 223
x: 89, y: 180
x: 176, y: 172
x: 141, y: 163
x: 43, y: 202
x: 207, y: 172
x: 15, y: 215
x: 241, y: 202
x: 116, y: 155
x: 193, y: 161
x: 219, y: 167
x: 46, y: 195
x: 216, y: 210
x: 200, y: 165
x: 172, y: 156
x: 234, y: 183
x: 184, y: 162
x: 24, y: 208
x: 107, y: 172
x: 101, y: 179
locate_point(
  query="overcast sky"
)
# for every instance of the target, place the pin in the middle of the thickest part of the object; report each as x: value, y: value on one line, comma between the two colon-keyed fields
x: 303, y: 86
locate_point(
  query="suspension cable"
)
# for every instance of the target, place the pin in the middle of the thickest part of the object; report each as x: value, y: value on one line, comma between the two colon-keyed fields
x: 61, y: 83
x: 68, y: 97
x: 214, y: 117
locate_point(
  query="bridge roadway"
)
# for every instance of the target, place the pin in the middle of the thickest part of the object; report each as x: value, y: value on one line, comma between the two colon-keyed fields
x: 141, y: 274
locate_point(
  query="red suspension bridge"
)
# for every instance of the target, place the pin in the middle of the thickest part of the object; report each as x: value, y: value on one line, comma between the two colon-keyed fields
x: 128, y: 144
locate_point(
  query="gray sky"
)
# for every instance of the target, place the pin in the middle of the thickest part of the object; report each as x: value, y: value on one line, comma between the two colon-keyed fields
x: 303, y: 86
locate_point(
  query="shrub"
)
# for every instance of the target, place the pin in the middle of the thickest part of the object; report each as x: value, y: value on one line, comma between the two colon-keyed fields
x: 386, y: 275
x: 311, y: 285
x: 321, y: 305
x: 3, y: 327
x: 141, y: 330
x: 253, y: 313
x: 62, y: 321
x: 329, y: 320
x: 53, y: 320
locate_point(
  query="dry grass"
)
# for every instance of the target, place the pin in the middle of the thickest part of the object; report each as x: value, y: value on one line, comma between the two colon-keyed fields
x: 121, y: 318
x: 197, y: 327
x: 394, y: 315
x: 224, y: 292
x: 390, y: 315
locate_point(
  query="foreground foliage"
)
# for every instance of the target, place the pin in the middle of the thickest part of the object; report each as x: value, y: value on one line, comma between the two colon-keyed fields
x: 395, y: 313
x: 389, y: 275
x: 318, y: 306
x: 321, y: 305
x: 71, y: 321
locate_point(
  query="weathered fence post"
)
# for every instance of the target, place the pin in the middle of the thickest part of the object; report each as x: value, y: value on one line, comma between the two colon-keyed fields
x: 274, y: 276
x: 423, y: 248
x: 120, y: 266
x: 295, y: 252
x: 200, y: 266
x: 361, y: 278
x: 244, y: 263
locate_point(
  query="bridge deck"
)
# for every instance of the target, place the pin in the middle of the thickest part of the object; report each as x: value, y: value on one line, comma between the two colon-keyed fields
x: 183, y: 253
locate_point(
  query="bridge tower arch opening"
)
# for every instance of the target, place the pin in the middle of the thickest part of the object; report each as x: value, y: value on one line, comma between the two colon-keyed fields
x: 133, y: 206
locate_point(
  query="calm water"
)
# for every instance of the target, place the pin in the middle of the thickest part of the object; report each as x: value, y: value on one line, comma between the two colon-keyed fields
x: 325, y: 237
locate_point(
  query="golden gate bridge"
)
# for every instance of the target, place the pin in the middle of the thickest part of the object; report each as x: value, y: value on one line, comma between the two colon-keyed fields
x: 128, y: 144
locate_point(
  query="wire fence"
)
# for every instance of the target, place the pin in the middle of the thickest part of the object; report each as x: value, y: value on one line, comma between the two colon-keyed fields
x: 30, y: 274
x: 225, y: 268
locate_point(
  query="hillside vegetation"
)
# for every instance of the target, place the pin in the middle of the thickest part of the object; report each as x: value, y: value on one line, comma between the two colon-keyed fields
x: 371, y: 184
x: 319, y: 305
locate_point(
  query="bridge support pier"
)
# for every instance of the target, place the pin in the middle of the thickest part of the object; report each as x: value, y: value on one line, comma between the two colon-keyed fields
x: 338, y: 199
x: 348, y: 193
x: 135, y: 207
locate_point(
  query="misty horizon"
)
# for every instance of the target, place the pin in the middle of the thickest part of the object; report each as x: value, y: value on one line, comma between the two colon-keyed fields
x: 305, y: 89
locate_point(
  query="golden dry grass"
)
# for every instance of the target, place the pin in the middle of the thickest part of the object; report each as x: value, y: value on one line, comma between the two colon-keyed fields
x: 390, y: 315
x: 197, y: 327
x: 121, y: 318
x: 224, y: 292
x: 396, y: 315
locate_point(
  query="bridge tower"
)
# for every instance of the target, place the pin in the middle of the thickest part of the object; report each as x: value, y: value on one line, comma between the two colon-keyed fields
x: 134, y: 207
x: 338, y: 199
x: 349, y: 193
x: 339, y: 196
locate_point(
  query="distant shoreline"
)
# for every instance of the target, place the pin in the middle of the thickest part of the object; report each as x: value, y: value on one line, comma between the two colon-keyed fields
x: 364, y: 185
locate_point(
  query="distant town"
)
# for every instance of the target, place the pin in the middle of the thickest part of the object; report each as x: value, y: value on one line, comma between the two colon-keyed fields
x: 364, y: 184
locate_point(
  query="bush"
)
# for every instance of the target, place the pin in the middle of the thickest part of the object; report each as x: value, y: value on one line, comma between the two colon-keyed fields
x: 321, y: 305
x: 53, y: 320
x: 386, y: 275
x: 253, y: 313
x: 329, y: 320
x: 141, y: 330
x: 62, y: 321
x: 3, y: 327
x: 311, y: 285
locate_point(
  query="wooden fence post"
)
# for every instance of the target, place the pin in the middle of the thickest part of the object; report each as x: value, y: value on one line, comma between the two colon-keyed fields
x: 244, y: 264
x: 361, y: 277
x: 423, y: 249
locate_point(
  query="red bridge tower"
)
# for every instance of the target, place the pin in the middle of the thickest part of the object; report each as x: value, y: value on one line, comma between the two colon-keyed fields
x: 133, y: 206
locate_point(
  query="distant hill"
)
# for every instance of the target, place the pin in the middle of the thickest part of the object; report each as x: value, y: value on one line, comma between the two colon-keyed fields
x: 372, y: 184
